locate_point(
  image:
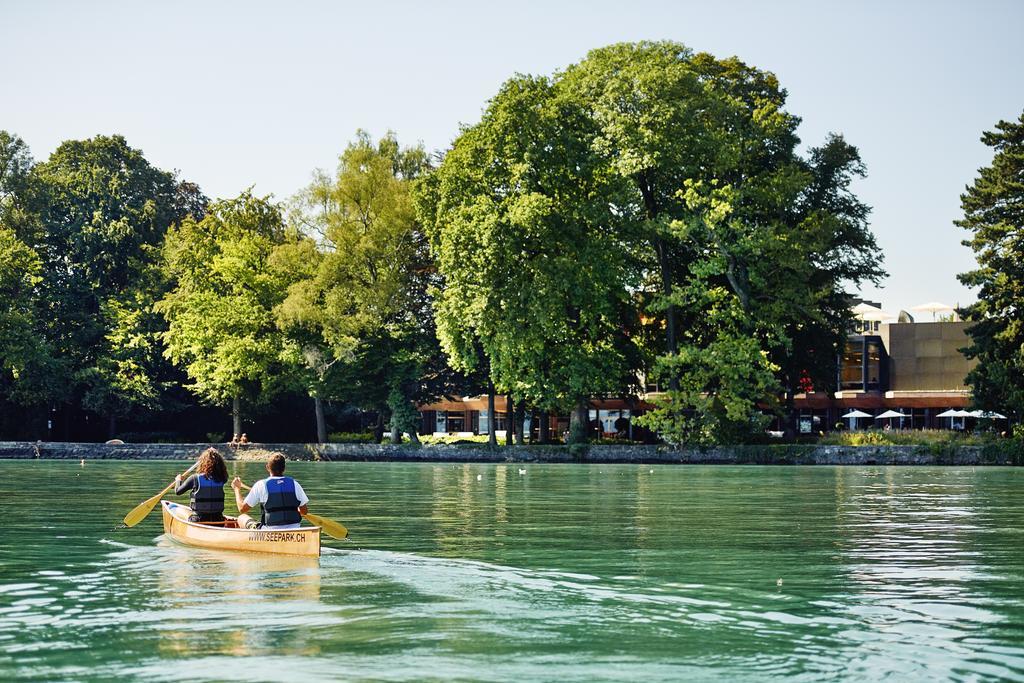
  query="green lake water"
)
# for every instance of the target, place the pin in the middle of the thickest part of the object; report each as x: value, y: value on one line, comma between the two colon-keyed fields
x: 528, y: 572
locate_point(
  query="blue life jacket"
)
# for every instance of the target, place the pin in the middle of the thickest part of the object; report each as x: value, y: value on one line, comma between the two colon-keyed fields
x: 282, y: 506
x: 207, y: 497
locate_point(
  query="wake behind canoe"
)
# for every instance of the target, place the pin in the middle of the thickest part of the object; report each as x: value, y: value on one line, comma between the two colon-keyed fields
x: 304, y: 541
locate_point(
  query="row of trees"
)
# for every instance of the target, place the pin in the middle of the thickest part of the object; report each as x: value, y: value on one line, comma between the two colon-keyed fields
x: 124, y: 284
x: 644, y: 211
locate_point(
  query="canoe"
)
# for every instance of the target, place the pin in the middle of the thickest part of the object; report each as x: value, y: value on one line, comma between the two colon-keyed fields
x: 304, y: 541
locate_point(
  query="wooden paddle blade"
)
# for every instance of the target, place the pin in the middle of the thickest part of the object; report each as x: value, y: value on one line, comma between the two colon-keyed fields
x: 142, y: 510
x: 330, y: 527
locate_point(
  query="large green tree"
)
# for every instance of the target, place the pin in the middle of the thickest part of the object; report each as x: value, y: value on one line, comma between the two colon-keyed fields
x: 536, y: 270
x: 28, y: 378
x: 101, y: 211
x: 994, y: 213
x: 19, y: 274
x: 221, y: 324
x: 749, y: 247
x: 362, y: 311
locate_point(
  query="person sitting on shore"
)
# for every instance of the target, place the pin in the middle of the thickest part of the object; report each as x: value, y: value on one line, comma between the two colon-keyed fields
x: 281, y: 499
x: 206, y: 487
x: 243, y: 439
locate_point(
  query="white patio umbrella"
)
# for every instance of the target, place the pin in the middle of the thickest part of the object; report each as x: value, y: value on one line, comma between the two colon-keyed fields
x: 987, y: 415
x: 953, y: 413
x: 860, y: 309
x: 889, y: 414
x: 869, y: 313
x: 853, y: 415
x: 878, y: 315
x: 933, y: 307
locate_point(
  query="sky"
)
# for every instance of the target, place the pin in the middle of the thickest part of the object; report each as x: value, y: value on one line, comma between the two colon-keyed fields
x: 256, y: 94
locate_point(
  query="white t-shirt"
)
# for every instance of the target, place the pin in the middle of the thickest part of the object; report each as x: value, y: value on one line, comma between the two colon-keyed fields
x: 258, y: 495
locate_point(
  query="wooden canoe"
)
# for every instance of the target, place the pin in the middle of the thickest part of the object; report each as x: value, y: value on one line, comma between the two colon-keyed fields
x: 304, y: 541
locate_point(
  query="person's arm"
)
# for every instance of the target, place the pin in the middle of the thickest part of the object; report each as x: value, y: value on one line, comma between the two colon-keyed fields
x: 181, y: 487
x: 243, y: 507
x: 303, y: 499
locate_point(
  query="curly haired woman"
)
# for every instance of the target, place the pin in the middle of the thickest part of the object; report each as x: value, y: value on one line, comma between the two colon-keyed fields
x: 206, y: 487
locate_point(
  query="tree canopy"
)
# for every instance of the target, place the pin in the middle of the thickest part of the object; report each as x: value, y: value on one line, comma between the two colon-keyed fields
x: 363, y: 310
x: 993, y: 209
x: 220, y: 311
x: 535, y: 272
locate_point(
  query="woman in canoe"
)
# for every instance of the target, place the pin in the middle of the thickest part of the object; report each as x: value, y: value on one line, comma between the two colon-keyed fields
x: 206, y: 487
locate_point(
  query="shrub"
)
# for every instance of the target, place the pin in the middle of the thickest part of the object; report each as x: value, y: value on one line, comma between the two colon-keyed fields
x: 453, y: 440
x: 933, y: 438
x: 350, y: 437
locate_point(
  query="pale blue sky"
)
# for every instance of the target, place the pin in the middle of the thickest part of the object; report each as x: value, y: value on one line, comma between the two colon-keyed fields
x: 235, y: 94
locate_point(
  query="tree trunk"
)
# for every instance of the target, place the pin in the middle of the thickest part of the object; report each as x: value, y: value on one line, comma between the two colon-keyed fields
x: 510, y: 420
x: 520, y: 414
x: 378, y: 427
x: 321, y: 423
x: 544, y: 432
x: 236, y: 415
x: 579, y: 430
x: 396, y: 431
x: 671, y: 345
x: 790, y: 430
x: 492, y: 438
x: 665, y: 268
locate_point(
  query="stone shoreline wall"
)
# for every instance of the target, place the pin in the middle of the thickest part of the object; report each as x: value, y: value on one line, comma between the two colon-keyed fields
x: 779, y: 454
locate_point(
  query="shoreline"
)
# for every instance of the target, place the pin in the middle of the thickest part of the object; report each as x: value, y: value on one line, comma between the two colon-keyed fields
x: 774, y: 454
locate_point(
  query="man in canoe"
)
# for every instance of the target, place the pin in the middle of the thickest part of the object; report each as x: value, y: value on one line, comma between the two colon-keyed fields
x: 205, y: 487
x: 281, y: 499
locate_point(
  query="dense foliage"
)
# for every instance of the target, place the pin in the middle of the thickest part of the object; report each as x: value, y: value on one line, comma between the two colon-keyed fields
x: 648, y: 183
x: 643, y: 214
x: 994, y: 213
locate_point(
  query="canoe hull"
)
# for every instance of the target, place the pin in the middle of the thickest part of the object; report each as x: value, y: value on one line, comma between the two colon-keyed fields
x: 304, y: 542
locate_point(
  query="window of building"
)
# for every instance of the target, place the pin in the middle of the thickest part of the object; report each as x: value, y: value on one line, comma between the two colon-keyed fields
x: 853, y: 367
x: 612, y: 421
x: 450, y: 421
x: 874, y: 364
x: 500, y: 420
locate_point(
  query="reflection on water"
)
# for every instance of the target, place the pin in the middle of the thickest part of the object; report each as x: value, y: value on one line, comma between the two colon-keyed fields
x: 204, y: 590
x: 538, y: 572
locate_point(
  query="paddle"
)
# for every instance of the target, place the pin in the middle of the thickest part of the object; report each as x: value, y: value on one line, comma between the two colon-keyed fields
x: 145, y: 507
x: 330, y: 527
